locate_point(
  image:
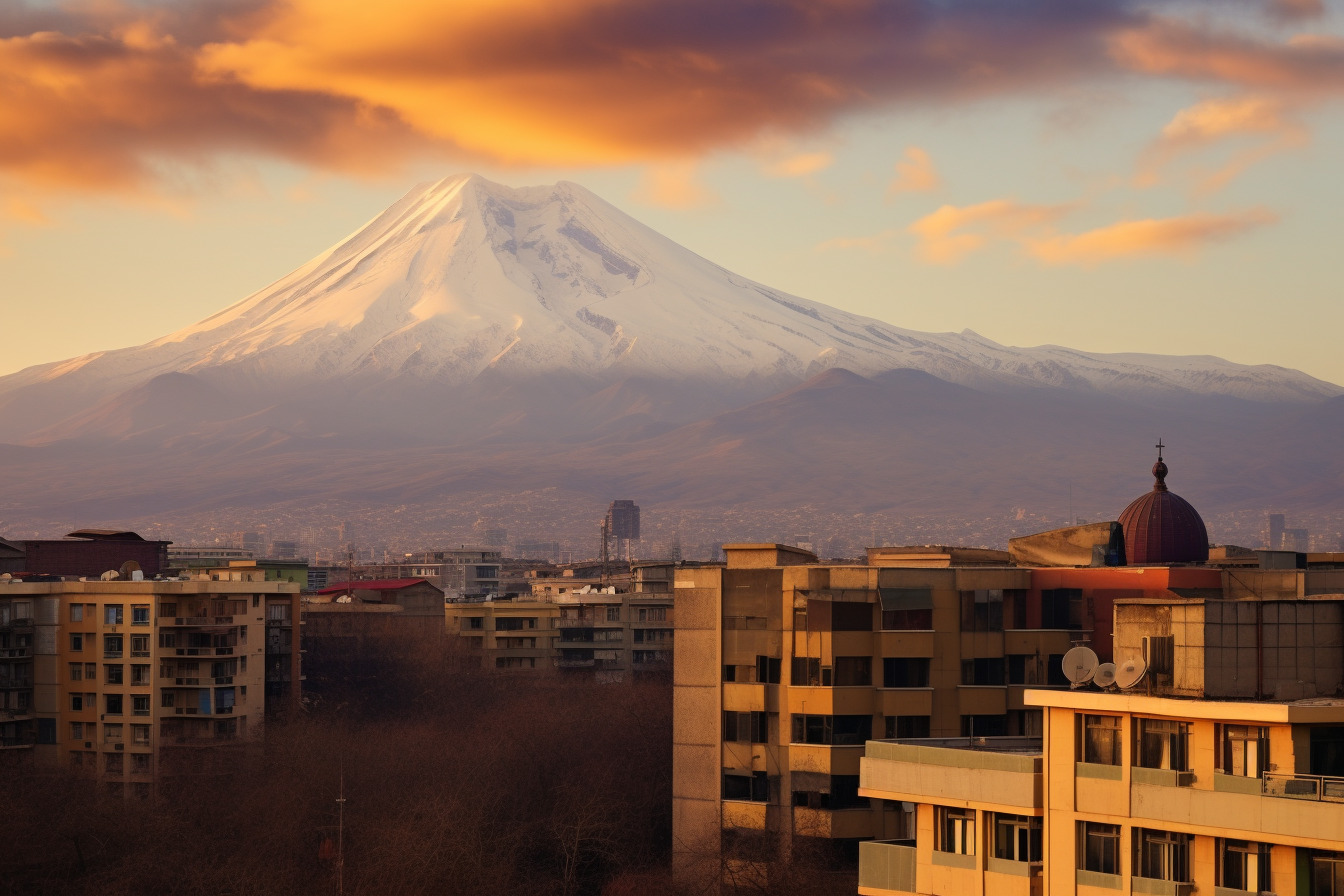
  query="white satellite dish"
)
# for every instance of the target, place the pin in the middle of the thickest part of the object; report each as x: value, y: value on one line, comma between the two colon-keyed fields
x: 1130, y: 672
x: 1105, y: 675
x: 1080, y: 664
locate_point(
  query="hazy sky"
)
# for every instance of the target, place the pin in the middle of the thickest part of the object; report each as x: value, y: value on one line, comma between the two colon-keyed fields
x: 1107, y: 175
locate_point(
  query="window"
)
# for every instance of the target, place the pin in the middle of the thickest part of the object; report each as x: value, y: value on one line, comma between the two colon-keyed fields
x: 76, y: 642
x: 905, y: 672
x: 746, y: 727
x: 76, y: 612
x: 76, y: 671
x: 982, y: 610
x: 514, y: 624
x: 906, y: 609
x: 83, y: 702
x: 112, y: 734
x: 140, y: 764
x: 1062, y: 608
x: 1162, y: 744
x: 613, y: 614
x: 76, y: 730
x: 653, y: 614
x: 112, y: 704
x: 907, y: 727
x: 140, y: 614
x: 140, y: 705
x: 167, y: 700
x: 112, y: 614
x: 139, y: 645
x: 1017, y: 838
x: 740, y: 786
x: 954, y: 830
x: 475, y: 622
x: 1327, y: 873
x: 1099, y: 847
x: 853, y: 671
x: 767, y: 668
x: 111, y: 646
x: 819, y: 791
x: 112, y: 673
x: 113, y: 763
x: 168, y: 640
x: 1243, y: 865
x: 832, y: 730
x: 987, y: 671
x: 140, y: 735
x: 91, y: 671
x: 1161, y: 855
x: 1101, y: 740
x: 984, y: 726
x: 807, y: 671
x: 168, y: 609
x: 1243, y: 750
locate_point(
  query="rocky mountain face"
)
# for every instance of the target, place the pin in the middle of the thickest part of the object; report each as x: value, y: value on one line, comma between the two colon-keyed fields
x: 475, y: 336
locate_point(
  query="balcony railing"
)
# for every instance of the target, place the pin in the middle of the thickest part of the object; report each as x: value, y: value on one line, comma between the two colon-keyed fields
x: 887, y: 865
x: 1304, y: 787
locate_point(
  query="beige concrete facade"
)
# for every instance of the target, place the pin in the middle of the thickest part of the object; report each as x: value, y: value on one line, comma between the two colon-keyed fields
x: 132, y: 682
x: 1220, y: 770
x: 785, y: 667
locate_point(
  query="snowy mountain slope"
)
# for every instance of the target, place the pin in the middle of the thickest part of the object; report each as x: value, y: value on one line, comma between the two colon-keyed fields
x: 464, y: 279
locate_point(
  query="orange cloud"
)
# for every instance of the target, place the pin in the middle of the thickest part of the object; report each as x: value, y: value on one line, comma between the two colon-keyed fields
x: 1263, y: 119
x: 1308, y: 65
x: 951, y: 232
x: 914, y: 173
x: 674, y: 186
x: 1161, y: 236
x: 105, y: 95
x: 800, y: 164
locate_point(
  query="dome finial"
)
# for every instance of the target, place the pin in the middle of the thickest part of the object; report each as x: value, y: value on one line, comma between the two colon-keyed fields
x: 1160, y: 469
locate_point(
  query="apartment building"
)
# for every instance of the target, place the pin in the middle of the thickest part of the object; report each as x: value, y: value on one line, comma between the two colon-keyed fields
x: 134, y: 681
x: 1213, y: 762
x: 577, y: 622
x: 784, y: 668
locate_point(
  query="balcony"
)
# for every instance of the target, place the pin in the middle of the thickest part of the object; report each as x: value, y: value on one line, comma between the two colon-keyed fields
x: 204, y: 651
x: 1304, y: 808
x: 1304, y: 787
x: 887, y: 866
x: 832, y: 823
x: 1004, y: 770
x: 16, y: 653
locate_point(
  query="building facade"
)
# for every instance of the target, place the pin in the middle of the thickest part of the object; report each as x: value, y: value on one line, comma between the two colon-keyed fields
x: 135, y: 682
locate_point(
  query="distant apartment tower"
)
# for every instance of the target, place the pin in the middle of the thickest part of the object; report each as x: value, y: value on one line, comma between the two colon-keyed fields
x: 623, y: 525
x: 1275, y: 532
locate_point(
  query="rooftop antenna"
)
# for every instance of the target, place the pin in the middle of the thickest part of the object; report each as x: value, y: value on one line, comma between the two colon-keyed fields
x: 1105, y: 676
x: 1080, y: 664
x: 1130, y: 672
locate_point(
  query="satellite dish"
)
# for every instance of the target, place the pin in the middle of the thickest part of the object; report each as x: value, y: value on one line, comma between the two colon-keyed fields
x: 1130, y: 672
x: 1080, y: 664
x: 1105, y: 676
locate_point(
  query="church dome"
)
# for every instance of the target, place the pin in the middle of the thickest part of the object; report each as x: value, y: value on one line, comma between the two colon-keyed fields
x: 1162, y: 527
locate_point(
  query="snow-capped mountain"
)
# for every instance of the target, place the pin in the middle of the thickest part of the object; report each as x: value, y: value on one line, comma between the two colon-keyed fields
x: 464, y: 278
x: 480, y: 340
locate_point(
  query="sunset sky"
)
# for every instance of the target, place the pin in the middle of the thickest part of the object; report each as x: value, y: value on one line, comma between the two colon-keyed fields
x: 1111, y: 176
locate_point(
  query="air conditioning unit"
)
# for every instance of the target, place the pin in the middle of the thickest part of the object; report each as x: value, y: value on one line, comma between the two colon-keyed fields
x: 88, y: 745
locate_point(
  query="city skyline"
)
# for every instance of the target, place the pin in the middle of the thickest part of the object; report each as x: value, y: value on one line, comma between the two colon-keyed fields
x: 1119, y: 178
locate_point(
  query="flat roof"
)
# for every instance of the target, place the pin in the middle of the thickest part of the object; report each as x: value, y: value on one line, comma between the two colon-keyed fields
x: 1315, y: 710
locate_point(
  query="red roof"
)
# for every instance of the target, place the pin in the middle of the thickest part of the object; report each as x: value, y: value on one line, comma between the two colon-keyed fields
x: 373, y: 585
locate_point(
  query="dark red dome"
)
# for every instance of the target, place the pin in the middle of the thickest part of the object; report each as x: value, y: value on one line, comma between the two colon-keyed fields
x: 1162, y: 527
